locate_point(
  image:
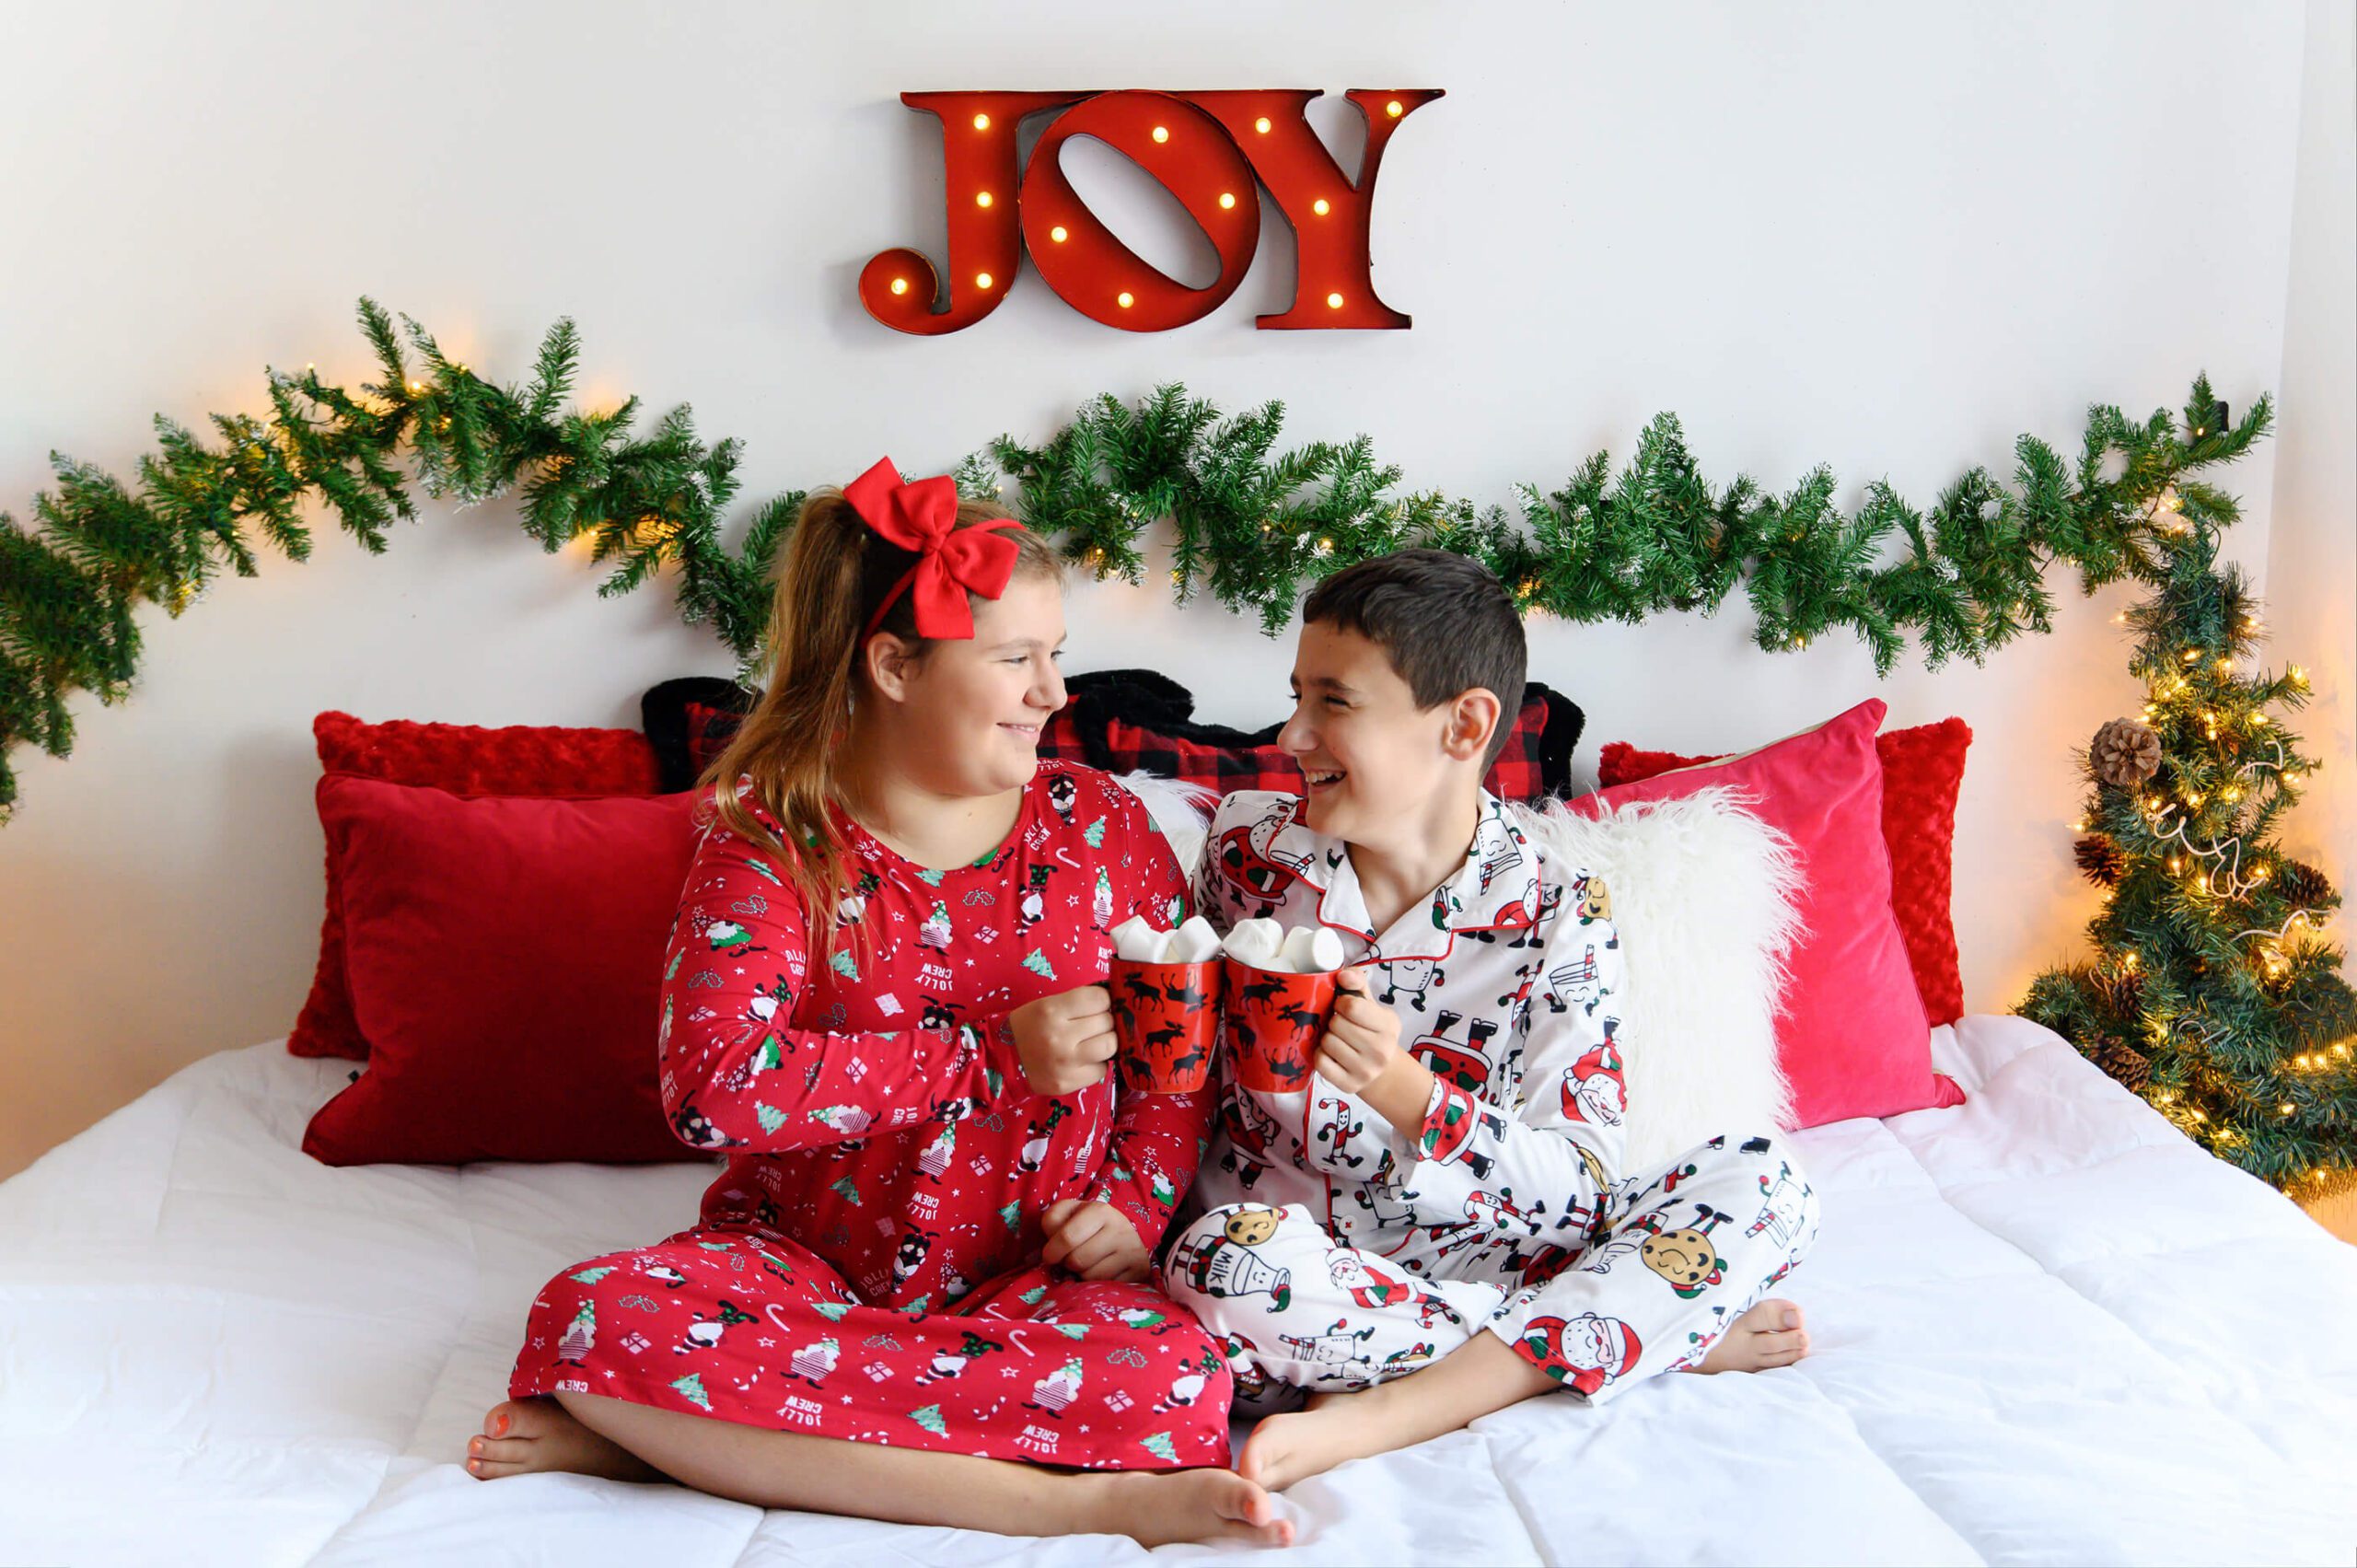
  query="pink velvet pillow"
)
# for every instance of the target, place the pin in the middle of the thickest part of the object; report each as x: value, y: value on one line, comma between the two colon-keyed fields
x: 504, y: 956
x: 1850, y: 1030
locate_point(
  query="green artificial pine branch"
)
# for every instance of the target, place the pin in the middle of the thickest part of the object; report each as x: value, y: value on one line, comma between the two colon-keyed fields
x: 1256, y: 524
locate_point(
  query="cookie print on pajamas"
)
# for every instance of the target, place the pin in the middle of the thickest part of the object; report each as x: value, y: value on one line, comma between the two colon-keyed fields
x: 867, y: 1266
x: 1330, y: 1251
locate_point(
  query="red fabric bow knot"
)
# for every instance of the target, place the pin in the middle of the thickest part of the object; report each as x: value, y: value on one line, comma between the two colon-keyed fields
x: 923, y: 515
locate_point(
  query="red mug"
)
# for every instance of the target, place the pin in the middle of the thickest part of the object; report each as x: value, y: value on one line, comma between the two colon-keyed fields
x: 1167, y: 1017
x: 1274, y: 1022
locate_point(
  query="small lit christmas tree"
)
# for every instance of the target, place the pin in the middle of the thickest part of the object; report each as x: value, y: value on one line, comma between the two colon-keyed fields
x: 2212, y: 993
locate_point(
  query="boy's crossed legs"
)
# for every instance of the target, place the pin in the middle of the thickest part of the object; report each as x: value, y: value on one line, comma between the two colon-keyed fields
x: 1391, y: 1357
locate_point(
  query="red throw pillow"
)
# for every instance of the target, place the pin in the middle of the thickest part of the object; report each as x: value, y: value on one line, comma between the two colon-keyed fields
x: 505, y: 959
x: 1922, y: 768
x: 1850, y: 1030
x: 468, y: 761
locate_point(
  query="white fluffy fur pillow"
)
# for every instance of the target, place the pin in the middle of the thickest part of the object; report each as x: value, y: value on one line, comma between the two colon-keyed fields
x: 1702, y: 895
x: 1702, y: 898
x: 1181, y: 811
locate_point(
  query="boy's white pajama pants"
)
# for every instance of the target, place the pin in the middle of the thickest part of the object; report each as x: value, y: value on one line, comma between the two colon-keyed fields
x: 1679, y: 1254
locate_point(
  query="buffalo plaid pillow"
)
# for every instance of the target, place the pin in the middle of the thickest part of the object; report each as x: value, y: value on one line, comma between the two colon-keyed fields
x: 1135, y: 721
x: 1139, y: 720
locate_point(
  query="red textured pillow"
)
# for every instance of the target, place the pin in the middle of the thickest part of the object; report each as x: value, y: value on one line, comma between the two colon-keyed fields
x: 505, y: 959
x: 466, y: 760
x: 1850, y: 1030
x: 1922, y: 768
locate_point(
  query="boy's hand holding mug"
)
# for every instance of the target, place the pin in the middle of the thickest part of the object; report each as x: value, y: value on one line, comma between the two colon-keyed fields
x: 1360, y: 1054
x: 1065, y: 1040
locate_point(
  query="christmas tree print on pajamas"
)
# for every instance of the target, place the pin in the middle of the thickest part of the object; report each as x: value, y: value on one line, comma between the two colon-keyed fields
x: 867, y: 1265
x: 1330, y: 1251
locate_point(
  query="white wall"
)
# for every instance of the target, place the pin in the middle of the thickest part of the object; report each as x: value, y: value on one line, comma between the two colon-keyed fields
x: 1886, y: 238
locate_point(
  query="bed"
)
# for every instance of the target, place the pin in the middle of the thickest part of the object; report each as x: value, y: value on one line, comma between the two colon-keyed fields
x: 2046, y: 1328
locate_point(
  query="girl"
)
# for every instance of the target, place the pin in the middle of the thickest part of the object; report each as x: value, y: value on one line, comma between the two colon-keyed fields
x: 914, y: 1294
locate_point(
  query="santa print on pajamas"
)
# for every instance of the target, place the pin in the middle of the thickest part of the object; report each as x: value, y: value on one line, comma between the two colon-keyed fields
x: 1330, y: 1250
x: 869, y: 1265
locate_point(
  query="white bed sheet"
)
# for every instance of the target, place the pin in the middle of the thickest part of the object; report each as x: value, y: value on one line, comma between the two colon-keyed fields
x: 2047, y: 1328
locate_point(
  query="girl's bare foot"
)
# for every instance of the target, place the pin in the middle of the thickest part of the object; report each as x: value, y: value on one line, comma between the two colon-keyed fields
x: 1157, y: 1507
x: 1771, y: 1334
x: 539, y: 1434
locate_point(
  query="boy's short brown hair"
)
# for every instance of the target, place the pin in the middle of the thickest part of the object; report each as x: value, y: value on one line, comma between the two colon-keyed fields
x: 1445, y: 621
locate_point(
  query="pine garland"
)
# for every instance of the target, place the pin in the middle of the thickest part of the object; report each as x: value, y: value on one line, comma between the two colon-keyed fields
x: 1255, y: 524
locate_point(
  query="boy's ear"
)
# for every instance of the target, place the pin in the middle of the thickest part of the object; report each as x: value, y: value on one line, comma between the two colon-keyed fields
x: 1473, y: 716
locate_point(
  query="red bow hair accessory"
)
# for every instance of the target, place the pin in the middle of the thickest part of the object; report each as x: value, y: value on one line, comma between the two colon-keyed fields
x: 951, y: 562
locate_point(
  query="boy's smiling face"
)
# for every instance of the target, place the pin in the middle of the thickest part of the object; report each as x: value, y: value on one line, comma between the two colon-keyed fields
x: 1373, y: 763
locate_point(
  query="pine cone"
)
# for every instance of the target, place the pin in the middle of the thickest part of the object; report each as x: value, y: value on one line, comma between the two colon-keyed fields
x: 2100, y: 858
x: 2126, y: 993
x: 2302, y: 884
x: 2124, y: 1063
x: 2126, y: 753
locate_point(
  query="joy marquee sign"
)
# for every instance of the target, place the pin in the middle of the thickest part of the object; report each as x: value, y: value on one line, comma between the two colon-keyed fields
x: 1208, y: 149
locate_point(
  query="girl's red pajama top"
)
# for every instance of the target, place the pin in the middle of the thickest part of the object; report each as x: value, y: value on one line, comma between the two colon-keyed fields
x: 889, y: 1163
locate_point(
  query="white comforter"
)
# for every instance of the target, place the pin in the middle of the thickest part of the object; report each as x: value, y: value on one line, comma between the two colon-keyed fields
x: 2047, y: 1328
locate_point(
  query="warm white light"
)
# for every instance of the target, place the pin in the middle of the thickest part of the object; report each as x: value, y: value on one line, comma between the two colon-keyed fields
x: 1227, y: 197
x: 1057, y: 234
x: 1395, y: 108
x: 981, y: 121
x: 899, y: 285
x: 1319, y: 206
x: 1162, y: 132
x: 1261, y: 124
x: 981, y: 280
x: 1125, y: 300
x: 981, y: 198
x: 1334, y: 301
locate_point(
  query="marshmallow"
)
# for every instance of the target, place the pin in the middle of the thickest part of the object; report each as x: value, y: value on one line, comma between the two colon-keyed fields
x: 1260, y: 943
x: 1193, y: 942
x: 1299, y: 940
x: 1325, y: 953
x: 1137, y: 941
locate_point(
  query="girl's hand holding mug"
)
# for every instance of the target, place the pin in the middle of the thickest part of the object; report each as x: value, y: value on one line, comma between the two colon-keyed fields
x: 1065, y: 1040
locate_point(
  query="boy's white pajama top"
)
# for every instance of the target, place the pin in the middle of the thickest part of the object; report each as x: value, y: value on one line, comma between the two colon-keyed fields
x: 1331, y: 1251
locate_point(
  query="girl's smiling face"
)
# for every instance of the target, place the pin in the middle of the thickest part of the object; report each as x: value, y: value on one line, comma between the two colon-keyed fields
x: 968, y: 714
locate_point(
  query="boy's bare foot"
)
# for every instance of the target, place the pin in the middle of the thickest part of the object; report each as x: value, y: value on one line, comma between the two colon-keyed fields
x: 1158, y: 1507
x: 1329, y: 1429
x: 539, y: 1434
x: 1771, y: 1334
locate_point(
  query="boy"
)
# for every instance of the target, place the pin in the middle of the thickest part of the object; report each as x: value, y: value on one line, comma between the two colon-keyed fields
x: 1447, y: 1197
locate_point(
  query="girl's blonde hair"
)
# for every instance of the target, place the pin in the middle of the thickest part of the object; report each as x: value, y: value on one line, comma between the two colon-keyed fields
x: 835, y: 572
